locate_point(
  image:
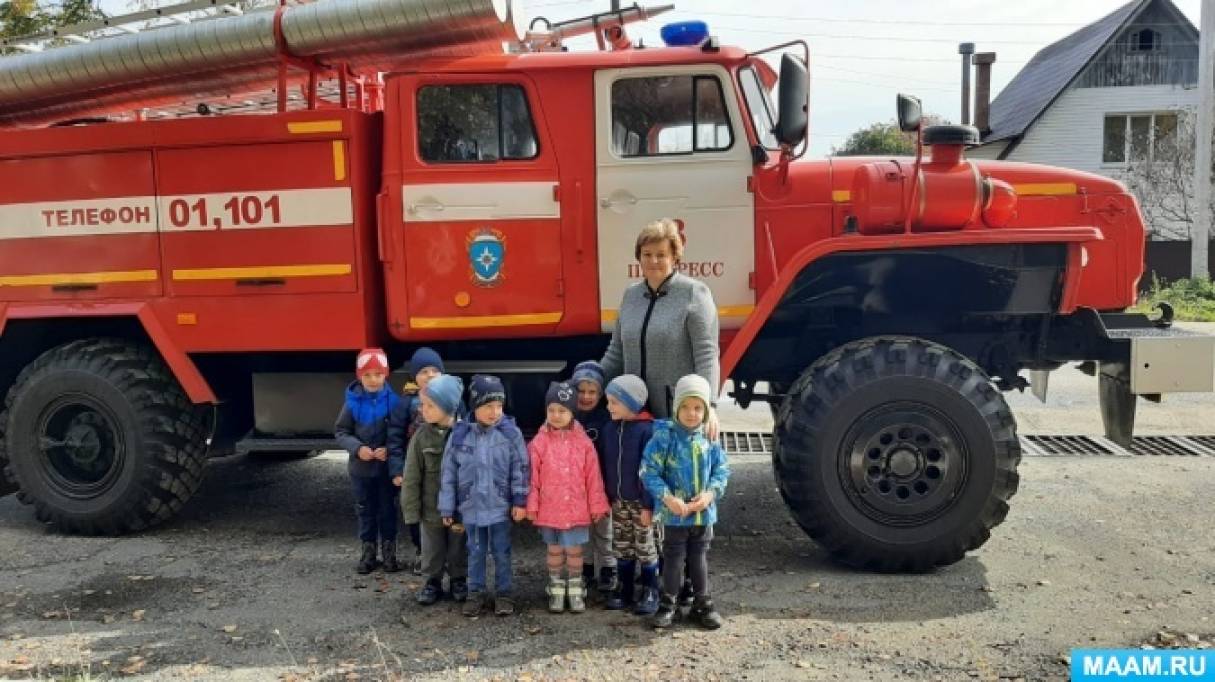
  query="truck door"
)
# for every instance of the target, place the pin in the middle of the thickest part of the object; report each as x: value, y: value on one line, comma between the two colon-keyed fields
x: 480, y: 215
x: 670, y: 143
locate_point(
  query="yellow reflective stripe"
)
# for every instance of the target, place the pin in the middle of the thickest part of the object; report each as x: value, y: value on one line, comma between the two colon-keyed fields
x: 323, y: 270
x: 1045, y: 189
x: 55, y: 279
x: 609, y: 315
x: 301, y: 127
x: 339, y: 160
x: 484, y: 321
x: 841, y: 196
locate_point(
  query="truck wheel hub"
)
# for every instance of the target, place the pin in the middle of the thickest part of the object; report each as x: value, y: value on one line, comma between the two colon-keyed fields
x: 82, y: 449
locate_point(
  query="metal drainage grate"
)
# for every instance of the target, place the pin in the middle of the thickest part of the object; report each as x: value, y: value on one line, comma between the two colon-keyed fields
x: 746, y: 442
x: 1160, y: 445
x: 1067, y: 445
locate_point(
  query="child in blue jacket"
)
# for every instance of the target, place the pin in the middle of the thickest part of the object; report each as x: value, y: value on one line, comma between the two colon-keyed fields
x: 486, y: 480
x: 685, y: 473
x: 362, y: 431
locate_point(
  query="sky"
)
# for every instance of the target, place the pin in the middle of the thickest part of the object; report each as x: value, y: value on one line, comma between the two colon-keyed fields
x: 864, y: 52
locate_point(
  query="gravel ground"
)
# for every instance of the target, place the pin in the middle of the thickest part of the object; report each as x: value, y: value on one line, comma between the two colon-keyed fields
x: 255, y: 581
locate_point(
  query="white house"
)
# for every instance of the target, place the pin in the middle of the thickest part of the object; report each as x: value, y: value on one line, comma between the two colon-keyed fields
x: 1107, y: 94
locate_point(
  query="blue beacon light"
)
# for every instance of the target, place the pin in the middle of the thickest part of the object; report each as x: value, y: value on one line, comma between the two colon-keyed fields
x: 685, y: 33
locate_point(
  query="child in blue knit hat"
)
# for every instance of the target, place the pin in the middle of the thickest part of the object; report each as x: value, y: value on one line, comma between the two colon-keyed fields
x: 591, y: 412
x: 486, y: 478
x: 406, y: 419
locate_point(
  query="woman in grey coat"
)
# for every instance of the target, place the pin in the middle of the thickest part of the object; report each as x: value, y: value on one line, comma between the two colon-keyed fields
x: 666, y: 329
x: 667, y: 325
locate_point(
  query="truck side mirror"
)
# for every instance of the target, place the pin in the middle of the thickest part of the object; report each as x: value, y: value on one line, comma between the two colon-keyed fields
x: 793, y: 115
x: 909, y: 112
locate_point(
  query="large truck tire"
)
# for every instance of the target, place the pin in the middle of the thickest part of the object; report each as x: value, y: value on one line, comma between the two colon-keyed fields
x: 896, y: 454
x: 100, y: 439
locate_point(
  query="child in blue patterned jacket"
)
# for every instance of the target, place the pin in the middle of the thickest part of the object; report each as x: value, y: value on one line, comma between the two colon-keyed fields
x: 486, y: 479
x: 685, y: 474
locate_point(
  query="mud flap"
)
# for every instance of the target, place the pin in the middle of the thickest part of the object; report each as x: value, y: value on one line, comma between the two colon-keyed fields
x: 1117, y: 402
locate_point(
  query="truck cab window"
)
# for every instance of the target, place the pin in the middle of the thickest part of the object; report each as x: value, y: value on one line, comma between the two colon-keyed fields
x: 661, y: 115
x: 760, y: 106
x: 475, y: 124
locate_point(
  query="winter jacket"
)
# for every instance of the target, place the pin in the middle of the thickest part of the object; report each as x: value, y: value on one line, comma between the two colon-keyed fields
x: 424, y: 475
x: 664, y: 335
x: 403, y: 421
x: 685, y: 464
x: 485, y: 472
x: 566, y: 488
x: 364, y: 421
x: 593, y: 422
x: 622, y: 445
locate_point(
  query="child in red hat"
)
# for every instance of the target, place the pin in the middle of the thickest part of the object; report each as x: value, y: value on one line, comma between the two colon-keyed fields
x: 362, y: 430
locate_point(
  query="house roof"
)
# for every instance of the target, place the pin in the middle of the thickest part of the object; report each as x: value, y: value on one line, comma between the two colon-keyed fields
x: 1033, y: 89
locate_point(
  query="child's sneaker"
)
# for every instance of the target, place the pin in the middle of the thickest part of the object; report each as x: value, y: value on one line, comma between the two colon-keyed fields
x: 430, y: 592
x: 459, y: 589
x: 556, y: 594
x: 504, y: 605
x: 704, y: 614
x: 474, y: 604
x: 367, y: 562
x: 576, y: 595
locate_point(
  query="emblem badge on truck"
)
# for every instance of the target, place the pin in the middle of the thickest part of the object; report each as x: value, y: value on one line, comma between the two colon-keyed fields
x: 486, y: 256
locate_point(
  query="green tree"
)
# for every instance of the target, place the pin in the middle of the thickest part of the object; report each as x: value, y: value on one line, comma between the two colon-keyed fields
x: 878, y: 139
x: 24, y: 17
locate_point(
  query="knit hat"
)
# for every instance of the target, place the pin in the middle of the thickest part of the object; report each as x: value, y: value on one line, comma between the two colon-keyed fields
x: 630, y: 390
x: 371, y: 359
x: 693, y: 386
x: 561, y: 393
x: 445, y: 390
x: 588, y: 371
x: 486, y: 388
x: 424, y: 357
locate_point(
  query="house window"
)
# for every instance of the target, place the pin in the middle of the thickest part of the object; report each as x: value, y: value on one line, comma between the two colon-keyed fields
x: 474, y: 123
x: 661, y: 115
x: 1137, y: 137
x: 1145, y: 40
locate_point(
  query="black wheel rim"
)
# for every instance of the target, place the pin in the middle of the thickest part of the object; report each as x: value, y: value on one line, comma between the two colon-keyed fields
x: 82, y: 448
x: 903, y: 464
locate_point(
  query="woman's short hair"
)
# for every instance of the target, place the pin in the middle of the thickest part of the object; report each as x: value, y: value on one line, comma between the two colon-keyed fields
x: 663, y: 229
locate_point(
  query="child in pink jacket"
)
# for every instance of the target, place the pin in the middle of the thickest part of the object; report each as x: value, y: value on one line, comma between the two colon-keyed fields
x: 566, y: 495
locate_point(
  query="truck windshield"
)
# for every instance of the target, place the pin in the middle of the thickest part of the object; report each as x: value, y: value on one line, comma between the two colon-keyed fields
x: 760, y: 106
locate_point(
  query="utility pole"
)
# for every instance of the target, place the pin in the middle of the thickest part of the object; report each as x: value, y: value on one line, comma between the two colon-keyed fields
x: 1200, y: 230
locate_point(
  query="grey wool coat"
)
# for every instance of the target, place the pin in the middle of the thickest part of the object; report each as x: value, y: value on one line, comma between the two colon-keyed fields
x: 665, y: 335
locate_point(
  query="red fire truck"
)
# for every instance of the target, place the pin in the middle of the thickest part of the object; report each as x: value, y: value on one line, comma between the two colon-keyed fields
x: 173, y: 286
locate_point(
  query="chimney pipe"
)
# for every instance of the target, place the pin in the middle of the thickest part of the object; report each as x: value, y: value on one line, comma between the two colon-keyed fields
x: 983, y: 62
x: 966, y: 49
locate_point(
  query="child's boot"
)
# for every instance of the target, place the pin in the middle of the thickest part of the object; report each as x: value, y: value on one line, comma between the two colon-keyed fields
x: 607, y: 580
x: 704, y: 613
x: 664, y: 617
x: 474, y: 604
x: 430, y: 592
x: 367, y: 560
x: 459, y: 589
x: 556, y: 594
x: 576, y: 594
x: 622, y: 596
x: 686, y: 594
x: 389, y: 553
x: 648, y: 604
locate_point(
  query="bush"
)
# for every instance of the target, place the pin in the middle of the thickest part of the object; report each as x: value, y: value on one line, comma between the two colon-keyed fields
x: 1193, y: 299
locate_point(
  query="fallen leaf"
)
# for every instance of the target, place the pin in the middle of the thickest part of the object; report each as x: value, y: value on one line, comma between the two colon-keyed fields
x: 138, y: 614
x: 198, y: 590
x: 229, y: 629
